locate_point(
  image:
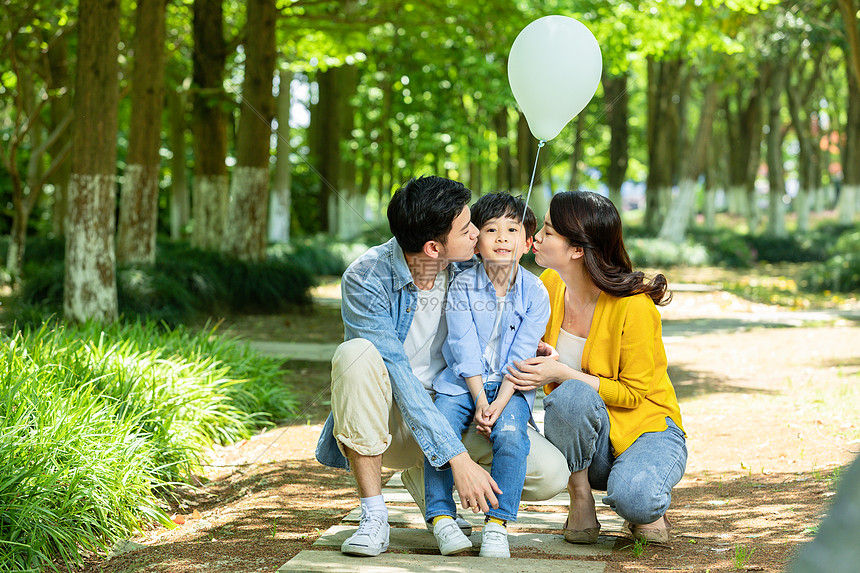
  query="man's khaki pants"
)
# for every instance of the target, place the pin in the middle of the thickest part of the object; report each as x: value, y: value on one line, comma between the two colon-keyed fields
x: 367, y: 420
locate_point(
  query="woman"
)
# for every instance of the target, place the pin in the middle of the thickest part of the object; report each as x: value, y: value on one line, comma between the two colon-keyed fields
x: 610, y: 406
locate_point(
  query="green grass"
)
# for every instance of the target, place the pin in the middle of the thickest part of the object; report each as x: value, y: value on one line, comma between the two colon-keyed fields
x: 96, y: 423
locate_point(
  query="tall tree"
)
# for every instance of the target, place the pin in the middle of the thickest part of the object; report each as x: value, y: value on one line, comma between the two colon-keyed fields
x: 680, y: 211
x: 280, y: 200
x: 616, y: 102
x: 210, y: 190
x: 138, y: 208
x: 245, y: 235
x: 775, y: 136
x: 90, y: 280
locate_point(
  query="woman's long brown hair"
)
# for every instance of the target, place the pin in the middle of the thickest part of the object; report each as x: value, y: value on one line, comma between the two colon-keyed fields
x: 590, y: 221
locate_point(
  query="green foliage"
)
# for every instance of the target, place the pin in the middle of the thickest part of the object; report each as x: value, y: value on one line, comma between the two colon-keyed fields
x: 320, y: 254
x: 185, y: 283
x: 840, y: 272
x: 93, y: 421
x: 661, y: 253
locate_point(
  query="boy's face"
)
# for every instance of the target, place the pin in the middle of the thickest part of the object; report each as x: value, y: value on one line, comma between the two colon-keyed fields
x: 502, y: 240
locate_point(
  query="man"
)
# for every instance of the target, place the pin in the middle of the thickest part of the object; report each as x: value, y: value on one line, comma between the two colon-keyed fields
x: 394, y: 321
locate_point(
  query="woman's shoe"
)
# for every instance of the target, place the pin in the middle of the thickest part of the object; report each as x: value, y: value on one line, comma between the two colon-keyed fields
x: 650, y: 533
x: 581, y: 536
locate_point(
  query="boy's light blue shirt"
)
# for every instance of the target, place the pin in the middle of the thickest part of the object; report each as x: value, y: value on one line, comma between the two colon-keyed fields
x: 378, y: 304
x: 471, y: 313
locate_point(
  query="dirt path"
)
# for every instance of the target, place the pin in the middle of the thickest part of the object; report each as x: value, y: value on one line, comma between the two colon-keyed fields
x: 771, y: 414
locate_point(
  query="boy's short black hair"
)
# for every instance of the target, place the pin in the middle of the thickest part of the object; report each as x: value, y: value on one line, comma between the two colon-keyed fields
x: 501, y: 205
x: 424, y: 210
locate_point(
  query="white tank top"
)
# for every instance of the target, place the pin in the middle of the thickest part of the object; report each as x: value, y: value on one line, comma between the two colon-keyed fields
x: 570, y: 347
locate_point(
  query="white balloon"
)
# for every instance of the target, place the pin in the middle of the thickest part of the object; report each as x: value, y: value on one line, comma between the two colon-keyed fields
x: 554, y: 68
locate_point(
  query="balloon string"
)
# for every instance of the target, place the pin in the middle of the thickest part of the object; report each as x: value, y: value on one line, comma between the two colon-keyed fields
x: 514, y: 261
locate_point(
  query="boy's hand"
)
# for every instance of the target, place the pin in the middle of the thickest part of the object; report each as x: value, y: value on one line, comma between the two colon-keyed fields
x: 489, y: 416
x: 480, y: 410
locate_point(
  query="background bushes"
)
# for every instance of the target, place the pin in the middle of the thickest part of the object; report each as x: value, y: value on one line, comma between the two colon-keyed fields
x: 184, y: 284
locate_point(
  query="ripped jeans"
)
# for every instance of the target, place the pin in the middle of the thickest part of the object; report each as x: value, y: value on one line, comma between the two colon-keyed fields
x: 510, y: 449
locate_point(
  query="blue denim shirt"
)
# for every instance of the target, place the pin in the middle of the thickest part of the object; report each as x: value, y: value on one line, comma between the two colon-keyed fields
x: 378, y: 303
x: 471, y: 314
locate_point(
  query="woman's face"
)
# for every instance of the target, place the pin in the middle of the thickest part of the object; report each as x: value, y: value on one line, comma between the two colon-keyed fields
x: 552, y: 251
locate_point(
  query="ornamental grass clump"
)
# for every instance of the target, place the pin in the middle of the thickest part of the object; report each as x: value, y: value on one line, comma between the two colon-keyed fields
x: 96, y: 423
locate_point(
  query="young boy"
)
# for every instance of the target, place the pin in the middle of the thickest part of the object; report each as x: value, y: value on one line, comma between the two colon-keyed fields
x: 489, y: 328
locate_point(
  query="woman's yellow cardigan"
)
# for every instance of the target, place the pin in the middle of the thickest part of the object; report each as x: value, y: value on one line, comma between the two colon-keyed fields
x: 625, y: 350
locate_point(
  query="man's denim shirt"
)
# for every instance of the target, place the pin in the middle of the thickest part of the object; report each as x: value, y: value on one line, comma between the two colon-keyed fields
x: 378, y: 303
x: 471, y: 314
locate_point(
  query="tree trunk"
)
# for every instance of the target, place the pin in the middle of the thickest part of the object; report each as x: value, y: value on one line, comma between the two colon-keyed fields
x: 280, y: 198
x: 681, y: 209
x: 180, y: 201
x: 524, y: 163
x: 615, y: 98
x: 138, y: 207
x: 664, y: 88
x: 503, y: 150
x: 90, y: 279
x: 246, y: 233
x: 210, y: 189
x: 851, y: 157
x: 775, y: 172
x: 576, y: 155
x: 744, y: 125
x: 349, y: 202
x: 61, y: 108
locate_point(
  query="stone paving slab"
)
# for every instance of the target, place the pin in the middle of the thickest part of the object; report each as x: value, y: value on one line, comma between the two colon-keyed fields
x: 323, y: 561
x: 311, y: 351
x: 401, y: 495
x: 422, y: 540
x: 400, y: 515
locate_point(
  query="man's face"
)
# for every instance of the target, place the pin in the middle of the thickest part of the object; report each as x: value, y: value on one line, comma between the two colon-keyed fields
x: 502, y: 240
x: 460, y: 243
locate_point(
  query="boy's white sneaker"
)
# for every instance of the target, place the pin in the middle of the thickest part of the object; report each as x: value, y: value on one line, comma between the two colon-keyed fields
x: 494, y: 541
x: 449, y: 537
x: 371, y: 537
x: 461, y: 522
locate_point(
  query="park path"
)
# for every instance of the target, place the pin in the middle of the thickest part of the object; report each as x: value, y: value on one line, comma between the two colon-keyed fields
x: 535, y: 542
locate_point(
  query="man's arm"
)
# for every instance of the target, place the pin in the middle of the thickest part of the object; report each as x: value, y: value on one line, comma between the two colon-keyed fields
x: 366, y: 314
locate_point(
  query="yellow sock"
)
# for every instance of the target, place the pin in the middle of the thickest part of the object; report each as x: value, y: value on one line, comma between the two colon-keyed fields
x: 501, y: 522
x: 438, y: 517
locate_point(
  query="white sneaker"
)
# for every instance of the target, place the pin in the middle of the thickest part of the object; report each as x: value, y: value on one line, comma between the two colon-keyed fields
x: 461, y: 522
x: 371, y: 537
x: 494, y: 541
x: 449, y: 537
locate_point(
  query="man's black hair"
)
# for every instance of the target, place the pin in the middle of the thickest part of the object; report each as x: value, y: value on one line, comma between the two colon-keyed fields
x: 503, y: 205
x: 424, y: 210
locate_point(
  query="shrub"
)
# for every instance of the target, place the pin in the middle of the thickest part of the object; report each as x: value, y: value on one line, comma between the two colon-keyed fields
x: 185, y: 283
x: 93, y: 421
x: 660, y: 253
x: 840, y: 272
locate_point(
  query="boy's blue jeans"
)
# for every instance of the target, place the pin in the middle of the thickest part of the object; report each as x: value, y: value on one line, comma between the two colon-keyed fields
x: 639, y: 482
x: 510, y: 449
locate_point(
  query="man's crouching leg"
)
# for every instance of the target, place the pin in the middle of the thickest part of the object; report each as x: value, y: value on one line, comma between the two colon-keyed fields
x: 361, y: 402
